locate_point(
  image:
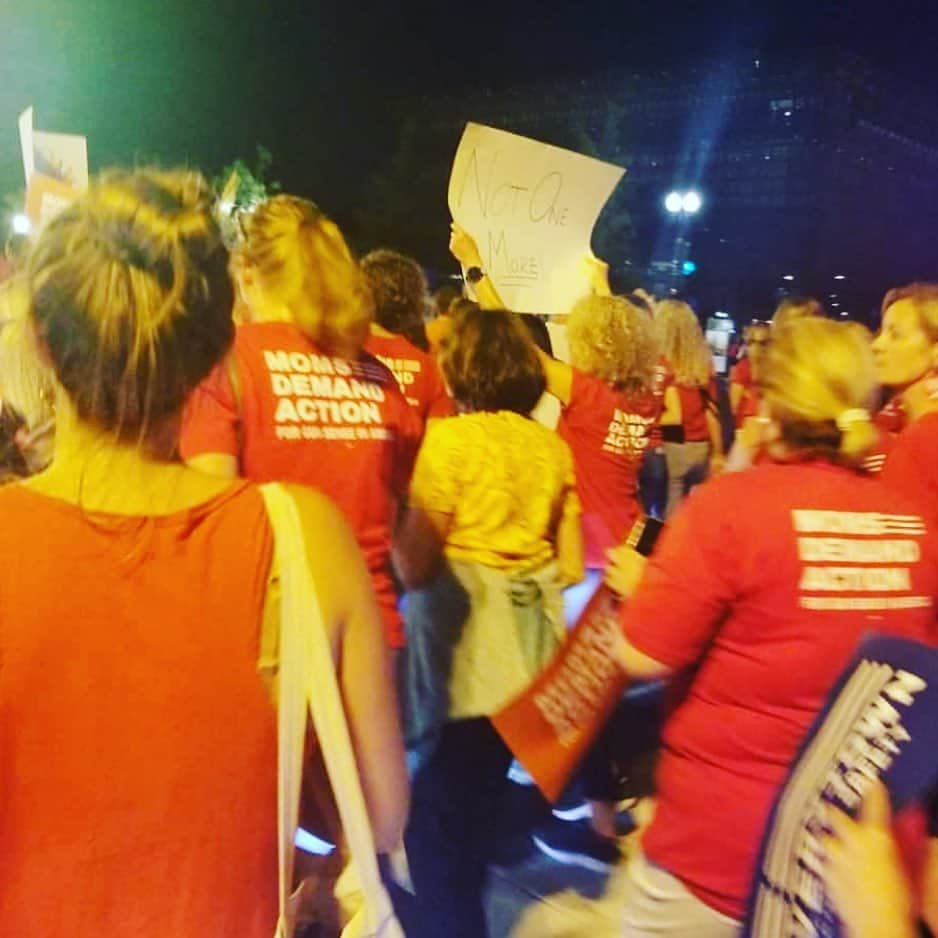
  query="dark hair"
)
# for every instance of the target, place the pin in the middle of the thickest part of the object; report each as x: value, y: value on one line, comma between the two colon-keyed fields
x: 490, y: 363
x: 445, y: 296
x: 537, y: 330
x: 400, y: 293
x: 636, y: 299
x: 131, y: 297
x: 461, y: 304
x: 12, y: 463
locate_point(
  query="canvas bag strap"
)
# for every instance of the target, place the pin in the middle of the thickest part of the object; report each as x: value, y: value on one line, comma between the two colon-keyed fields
x: 308, y: 678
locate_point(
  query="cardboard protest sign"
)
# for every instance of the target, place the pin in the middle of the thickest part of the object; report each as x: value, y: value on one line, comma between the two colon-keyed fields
x: 46, y: 197
x: 25, y: 124
x: 531, y: 208
x: 552, y: 723
x: 55, y: 166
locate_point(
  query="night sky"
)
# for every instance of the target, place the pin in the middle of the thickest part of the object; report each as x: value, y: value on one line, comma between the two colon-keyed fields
x: 204, y: 83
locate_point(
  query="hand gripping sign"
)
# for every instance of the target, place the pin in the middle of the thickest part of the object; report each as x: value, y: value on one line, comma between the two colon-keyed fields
x: 531, y: 208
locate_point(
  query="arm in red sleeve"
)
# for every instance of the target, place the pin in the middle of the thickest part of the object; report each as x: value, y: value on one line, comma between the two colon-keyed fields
x: 687, y: 587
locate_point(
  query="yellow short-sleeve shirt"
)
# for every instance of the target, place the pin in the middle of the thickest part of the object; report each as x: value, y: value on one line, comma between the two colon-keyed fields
x: 505, y: 479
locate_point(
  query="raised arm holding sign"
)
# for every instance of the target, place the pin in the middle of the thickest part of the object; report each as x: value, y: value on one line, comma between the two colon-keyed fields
x: 531, y: 208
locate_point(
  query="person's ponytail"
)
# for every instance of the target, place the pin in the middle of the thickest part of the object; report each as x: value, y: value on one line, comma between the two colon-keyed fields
x: 301, y: 256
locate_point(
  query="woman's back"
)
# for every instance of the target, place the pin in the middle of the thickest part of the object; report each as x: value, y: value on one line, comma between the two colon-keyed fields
x: 299, y: 415
x: 608, y: 431
x: 504, y: 478
x: 768, y: 578
x: 139, y: 743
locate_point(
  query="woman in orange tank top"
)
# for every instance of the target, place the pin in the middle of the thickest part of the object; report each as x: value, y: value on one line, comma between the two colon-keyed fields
x: 138, y: 766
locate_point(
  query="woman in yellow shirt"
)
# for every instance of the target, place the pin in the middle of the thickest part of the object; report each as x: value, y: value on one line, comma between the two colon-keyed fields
x: 493, y: 525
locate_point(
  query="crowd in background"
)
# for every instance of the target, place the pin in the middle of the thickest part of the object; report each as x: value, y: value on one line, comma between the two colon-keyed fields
x: 151, y: 373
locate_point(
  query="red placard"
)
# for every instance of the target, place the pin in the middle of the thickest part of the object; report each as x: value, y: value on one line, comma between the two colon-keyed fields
x: 552, y: 723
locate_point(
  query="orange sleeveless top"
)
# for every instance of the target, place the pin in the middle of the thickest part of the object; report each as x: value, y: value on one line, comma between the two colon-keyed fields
x: 137, y: 742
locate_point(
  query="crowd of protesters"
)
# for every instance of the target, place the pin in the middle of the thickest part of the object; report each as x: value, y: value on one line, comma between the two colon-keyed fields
x: 150, y: 374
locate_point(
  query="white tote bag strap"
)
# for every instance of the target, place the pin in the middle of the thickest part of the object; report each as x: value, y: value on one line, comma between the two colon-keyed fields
x: 307, y: 678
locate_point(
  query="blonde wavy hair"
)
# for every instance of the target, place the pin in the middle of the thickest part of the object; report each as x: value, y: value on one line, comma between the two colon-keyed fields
x: 130, y: 297
x: 613, y: 340
x: 301, y: 256
x: 682, y: 342
x: 819, y: 382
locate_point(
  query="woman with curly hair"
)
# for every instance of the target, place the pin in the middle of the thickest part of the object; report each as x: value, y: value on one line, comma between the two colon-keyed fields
x: 693, y: 444
x: 608, y: 412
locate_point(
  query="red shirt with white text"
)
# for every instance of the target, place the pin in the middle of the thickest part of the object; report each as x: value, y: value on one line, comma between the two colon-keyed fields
x: 298, y: 415
x: 764, y: 582
x: 608, y: 432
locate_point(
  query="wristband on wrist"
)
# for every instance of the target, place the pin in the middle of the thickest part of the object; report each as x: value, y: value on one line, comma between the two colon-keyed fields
x: 644, y: 534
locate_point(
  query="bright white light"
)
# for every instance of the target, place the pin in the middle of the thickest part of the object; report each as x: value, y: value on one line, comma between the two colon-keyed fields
x: 310, y: 843
x: 840, y: 277
x: 788, y: 277
x: 844, y: 313
x: 691, y: 202
x: 788, y: 113
x: 835, y: 304
x: 720, y: 314
x: 21, y: 224
x: 225, y: 206
x: 673, y: 203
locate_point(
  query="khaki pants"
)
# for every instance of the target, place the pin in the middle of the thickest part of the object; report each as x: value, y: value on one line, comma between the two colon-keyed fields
x: 688, y: 465
x: 659, y: 905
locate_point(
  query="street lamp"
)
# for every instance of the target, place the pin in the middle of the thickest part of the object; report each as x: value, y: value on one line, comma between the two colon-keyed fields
x: 691, y: 202
x: 674, y: 202
x: 683, y: 203
x: 21, y: 224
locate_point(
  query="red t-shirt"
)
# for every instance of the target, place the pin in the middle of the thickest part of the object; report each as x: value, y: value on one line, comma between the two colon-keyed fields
x: 662, y: 379
x: 139, y: 742
x: 342, y: 427
x: 417, y: 374
x: 765, y: 580
x: 891, y: 417
x: 694, y: 401
x: 749, y: 403
x: 912, y: 463
x: 741, y: 373
x: 608, y: 433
